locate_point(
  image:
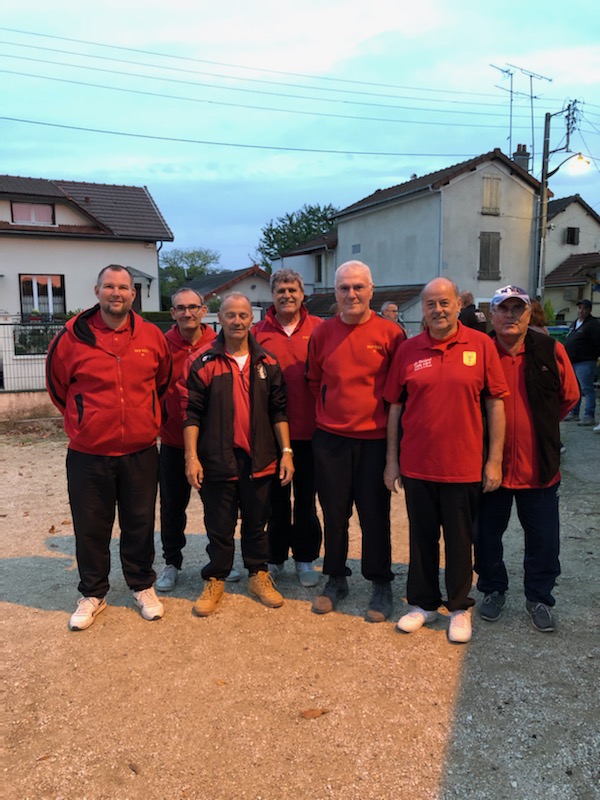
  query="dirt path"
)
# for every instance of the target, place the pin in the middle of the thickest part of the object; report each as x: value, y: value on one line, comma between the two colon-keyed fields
x: 194, y: 709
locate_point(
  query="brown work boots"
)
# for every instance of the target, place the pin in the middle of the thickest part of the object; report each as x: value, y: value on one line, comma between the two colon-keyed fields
x: 261, y: 585
x: 210, y: 597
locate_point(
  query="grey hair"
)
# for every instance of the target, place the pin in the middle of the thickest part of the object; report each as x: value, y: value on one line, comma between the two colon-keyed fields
x: 286, y: 276
x: 186, y: 289
x: 353, y: 265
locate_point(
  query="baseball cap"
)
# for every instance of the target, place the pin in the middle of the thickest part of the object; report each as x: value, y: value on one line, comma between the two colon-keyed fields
x: 585, y: 303
x: 506, y: 292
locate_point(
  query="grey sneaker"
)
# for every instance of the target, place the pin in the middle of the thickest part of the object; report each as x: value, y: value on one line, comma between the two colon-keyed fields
x: 234, y: 576
x: 492, y: 606
x: 381, y: 603
x: 167, y: 579
x: 149, y: 604
x: 275, y: 570
x: 306, y: 574
x: 541, y: 616
x: 85, y: 613
x: 571, y: 416
x: 335, y: 590
x: 587, y: 422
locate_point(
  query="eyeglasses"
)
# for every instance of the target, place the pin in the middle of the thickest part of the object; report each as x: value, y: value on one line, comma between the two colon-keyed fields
x: 357, y: 287
x: 193, y: 309
x: 516, y: 310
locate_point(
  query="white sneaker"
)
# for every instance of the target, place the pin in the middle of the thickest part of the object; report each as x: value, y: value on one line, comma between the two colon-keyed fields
x: 596, y: 428
x: 275, y: 570
x: 234, y: 576
x: 85, y: 614
x: 415, y: 619
x: 167, y: 579
x: 460, y: 626
x: 306, y: 574
x: 149, y: 604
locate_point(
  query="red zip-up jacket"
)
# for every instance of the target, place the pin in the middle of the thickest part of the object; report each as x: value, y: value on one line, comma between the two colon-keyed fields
x: 291, y: 352
x: 171, y: 429
x: 110, y: 402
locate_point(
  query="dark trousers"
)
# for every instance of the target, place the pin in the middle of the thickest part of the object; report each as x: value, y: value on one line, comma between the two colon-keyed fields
x: 451, y: 507
x: 299, y: 528
x: 174, y: 498
x: 351, y: 471
x: 222, y: 501
x: 98, y: 484
x: 537, y: 510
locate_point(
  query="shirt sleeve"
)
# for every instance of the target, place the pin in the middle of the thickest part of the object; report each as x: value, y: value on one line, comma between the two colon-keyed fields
x: 495, y: 380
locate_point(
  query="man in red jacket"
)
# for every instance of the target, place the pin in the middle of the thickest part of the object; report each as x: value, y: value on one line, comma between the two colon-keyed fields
x: 285, y: 332
x: 348, y: 359
x: 543, y: 387
x: 188, y: 335
x: 106, y: 372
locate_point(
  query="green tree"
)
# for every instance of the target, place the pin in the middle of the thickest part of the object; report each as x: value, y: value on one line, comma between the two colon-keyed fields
x: 180, y: 266
x: 293, y: 230
x: 549, y: 312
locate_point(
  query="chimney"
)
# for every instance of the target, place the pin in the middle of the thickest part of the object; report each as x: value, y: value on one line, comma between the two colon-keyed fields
x: 521, y: 157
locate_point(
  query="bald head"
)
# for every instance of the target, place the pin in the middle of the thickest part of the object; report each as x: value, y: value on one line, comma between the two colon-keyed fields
x: 441, y: 304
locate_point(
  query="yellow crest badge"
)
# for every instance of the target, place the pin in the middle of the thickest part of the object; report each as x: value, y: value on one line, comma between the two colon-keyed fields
x: 469, y: 358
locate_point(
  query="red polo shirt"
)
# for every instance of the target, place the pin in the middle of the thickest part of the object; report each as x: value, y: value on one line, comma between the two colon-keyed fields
x: 441, y: 383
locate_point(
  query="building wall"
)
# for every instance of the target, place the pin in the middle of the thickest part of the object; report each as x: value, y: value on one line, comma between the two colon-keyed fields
x: 557, y: 250
x: 79, y: 261
x: 463, y: 222
x: 256, y: 289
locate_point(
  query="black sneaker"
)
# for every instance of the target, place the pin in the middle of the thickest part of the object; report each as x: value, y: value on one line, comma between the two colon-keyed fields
x: 381, y: 603
x: 335, y: 590
x: 492, y: 606
x: 541, y: 616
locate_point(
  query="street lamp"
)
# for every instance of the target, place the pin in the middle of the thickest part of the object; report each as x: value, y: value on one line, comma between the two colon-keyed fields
x: 543, y: 217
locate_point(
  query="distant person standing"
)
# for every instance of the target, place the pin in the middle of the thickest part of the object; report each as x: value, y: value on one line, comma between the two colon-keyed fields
x: 538, y: 321
x: 543, y: 387
x: 106, y: 372
x: 389, y: 310
x: 285, y: 332
x: 469, y: 315
x: 188, y: 335
x: 583, y: 347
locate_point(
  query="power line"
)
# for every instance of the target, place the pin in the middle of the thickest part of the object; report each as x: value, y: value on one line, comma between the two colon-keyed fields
x: 234, y: 144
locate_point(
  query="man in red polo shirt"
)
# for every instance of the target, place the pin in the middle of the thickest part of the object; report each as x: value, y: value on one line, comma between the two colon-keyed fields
x: 188, y: 335
x: 235, y: 432
x: 348, y: 359
x: 285, y: 332
x: 435, y: 386
x: 543, y: 387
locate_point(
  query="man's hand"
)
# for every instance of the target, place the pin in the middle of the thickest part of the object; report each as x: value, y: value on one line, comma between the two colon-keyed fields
x: 194, y: 472
x: 286, y: 468
x: 492, y: 476
x: 391, y: 476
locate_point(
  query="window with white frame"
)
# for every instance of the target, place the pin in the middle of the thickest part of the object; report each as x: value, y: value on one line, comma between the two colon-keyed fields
x: 42, y: 294
x: 32, y: 213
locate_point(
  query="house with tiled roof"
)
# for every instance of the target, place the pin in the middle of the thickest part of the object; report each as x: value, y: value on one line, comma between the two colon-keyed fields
x: 55, y: 236
x: 577, y: 278
x: 474, y: 222
x: 252, y: 281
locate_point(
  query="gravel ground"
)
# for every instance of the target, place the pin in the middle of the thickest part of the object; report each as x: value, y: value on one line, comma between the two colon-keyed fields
x: 274, y: 704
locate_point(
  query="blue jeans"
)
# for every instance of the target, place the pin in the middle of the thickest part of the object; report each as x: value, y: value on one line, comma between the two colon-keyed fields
x: 585, y: 376
x: 538, y: 514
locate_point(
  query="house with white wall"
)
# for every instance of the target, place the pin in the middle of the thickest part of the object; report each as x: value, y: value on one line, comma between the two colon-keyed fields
x: 55, y: 236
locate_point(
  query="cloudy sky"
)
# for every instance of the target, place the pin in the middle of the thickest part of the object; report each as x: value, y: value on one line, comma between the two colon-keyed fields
x: 234, y: 113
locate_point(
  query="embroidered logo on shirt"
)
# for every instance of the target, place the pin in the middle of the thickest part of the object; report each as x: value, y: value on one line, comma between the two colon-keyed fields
x: 469, y: 358
x: 424, y: 363
x: 262, y: 373
x: 374, y: 347
x: 142, y: 350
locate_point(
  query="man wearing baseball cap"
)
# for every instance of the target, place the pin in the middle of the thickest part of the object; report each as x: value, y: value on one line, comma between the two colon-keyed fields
x: 543, y: 388
x: 583, y: 347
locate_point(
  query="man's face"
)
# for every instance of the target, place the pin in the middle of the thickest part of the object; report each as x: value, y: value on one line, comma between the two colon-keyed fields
x: 441, y: 307
x: 115, y: 293
x: 353, y: 293
x: 583, y: 312
x: 391, y: 312
x: 511, y: 319
x: 235, y: 317
x: 287, y: 298
x: 187, y: 311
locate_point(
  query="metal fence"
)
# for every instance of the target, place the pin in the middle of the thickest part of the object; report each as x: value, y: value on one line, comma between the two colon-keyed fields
x: 23, y: 348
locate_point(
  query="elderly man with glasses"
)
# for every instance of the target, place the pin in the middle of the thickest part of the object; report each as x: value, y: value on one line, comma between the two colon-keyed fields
x: 188, y: 335
x: 348, y: 359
